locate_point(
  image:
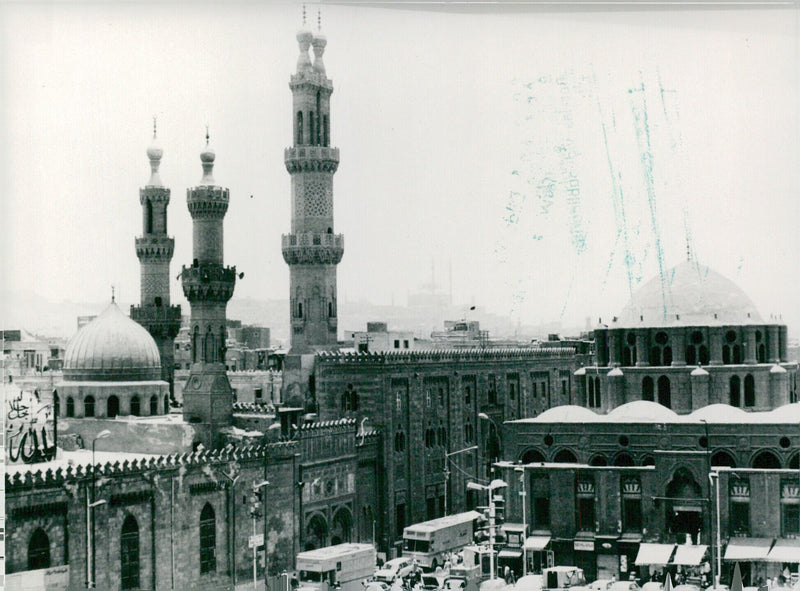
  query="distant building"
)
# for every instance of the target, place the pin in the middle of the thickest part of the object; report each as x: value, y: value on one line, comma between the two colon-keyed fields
x: 24, y: 354
x: 461, y: 333
x: 378, y: 338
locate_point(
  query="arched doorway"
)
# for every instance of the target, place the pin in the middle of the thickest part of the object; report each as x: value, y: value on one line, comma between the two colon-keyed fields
x: 684, y: 506
x: 342, y: 526
x: 113, y: 407
x: 316, y: 533
x: 531, y: 456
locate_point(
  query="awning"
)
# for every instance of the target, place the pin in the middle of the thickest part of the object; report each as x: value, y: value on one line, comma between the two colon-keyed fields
x: 509, y: 554
x: 536, y: 542
x: 689, y: 555
x: 785, y: 550
x: 749, y: 549
x: 656, y: 554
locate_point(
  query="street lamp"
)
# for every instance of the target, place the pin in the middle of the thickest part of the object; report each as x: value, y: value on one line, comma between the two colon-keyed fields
x: 255, y: 503
x: 523, y: 493
x: 447, y: 469
x: 491, y: 487
x: 90, y: 505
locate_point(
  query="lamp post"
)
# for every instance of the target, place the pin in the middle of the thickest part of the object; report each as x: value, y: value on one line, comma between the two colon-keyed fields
x: 523, y: 493
x: 491, y: 487
x: 711, y: 476
x: 447, y: 457
x: 90, y: 505
x: 483, y: 416
x: 708, y: 467
x: 255, y: 503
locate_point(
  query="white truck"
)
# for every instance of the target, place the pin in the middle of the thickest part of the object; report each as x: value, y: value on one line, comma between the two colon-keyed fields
x: 343, y: 567
x: 430, y: 542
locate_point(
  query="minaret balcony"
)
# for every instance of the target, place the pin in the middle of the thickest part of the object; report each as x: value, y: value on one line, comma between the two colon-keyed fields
x: 311, y: 158
x: 154, y: 194
x: 208, y: 282
x: 207, y: 201
x: 312, y: 248
x: 155, y: 248
x: 162, y: 321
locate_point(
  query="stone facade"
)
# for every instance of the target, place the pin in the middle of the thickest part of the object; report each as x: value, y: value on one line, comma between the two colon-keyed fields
x: 431, y: 403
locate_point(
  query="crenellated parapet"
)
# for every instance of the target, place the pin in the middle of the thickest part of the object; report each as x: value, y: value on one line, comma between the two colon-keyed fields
x: 208, y: 282
x: 311, y: 159
x: 207, y: 201
x: 155, y: 248
x: 199, y: 459
x: 312, y: 248
x: 465, y: 355
x: 154, y: 194
x: 306, y: 80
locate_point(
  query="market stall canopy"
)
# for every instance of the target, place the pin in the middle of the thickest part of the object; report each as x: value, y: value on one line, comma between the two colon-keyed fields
x: 655, y: 554
x: 748, y: 549
x: 689, y: 555
x: 785, y: 550
x: 510, y: 554
x: 536, y: 542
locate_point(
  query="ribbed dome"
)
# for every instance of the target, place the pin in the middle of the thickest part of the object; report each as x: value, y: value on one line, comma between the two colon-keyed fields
x: 112, y: 347
x: 689, y: 295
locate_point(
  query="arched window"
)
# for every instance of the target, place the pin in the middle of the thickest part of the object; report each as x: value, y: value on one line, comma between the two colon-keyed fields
x: 299, y: 134
x: 667, y: 355
x: 655, y: 356
x: 737, y: 353
x: 399, y: 441
x: 691, y: 355
x: 70, y: 407
x: 766, y: 460
x: 703, y: 355
x: 208, y: 346
x: 112, y: 407
x: 326, y: 132
x: 154, y: 405
x: 166, y: 404
x: 39, y: 550
x: 129, y: 553
x: 749, y: 391
x: 726, y: 354
x: 135, y: 408
x: 565, y: 456
x: 311, y: 130
x: 299, y: 309
x: 762, y: 353
x: 208, y: 540
x: 148, y: 209
x: 735, y: 391
x: 195, y: 343
x: 722, y: 458
x: 598, y: 461
x: 469, y: 433
x: 349, y: 399
x: 531, y: 456
x: 624, y: 459
x: 664, y: 392
x: 88, y: 406
x: 442, y: 437
x: 330, y: 309
x: 648, y: 388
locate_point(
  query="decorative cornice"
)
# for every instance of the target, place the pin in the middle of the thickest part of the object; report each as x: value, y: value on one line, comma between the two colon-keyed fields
x: 154, y: 195
x: 311, y: 159
x: 207, y: 201
x: 389, y: 357
x: 155, y: 248
x: 208, y: 282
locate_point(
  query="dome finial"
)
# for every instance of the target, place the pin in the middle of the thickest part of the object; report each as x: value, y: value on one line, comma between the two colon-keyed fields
x: 207, y: 157
x: 154, y: 153
x: 304, y: 15
x: 319, y: 19
x: 112, y: 293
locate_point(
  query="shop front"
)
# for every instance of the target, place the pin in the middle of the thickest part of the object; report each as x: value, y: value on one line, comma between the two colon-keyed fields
x: 628, y: 546
x: 751, y: 554
x: 607, y: 557
x: 652, y: 561
x: 585, y: 556
x: 538, y: 553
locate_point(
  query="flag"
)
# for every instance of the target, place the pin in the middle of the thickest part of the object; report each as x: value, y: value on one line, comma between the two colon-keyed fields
x: 736, y: 583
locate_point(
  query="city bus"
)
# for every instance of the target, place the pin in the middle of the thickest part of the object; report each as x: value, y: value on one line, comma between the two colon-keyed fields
x: 344, y: 567
x: 430, y: 542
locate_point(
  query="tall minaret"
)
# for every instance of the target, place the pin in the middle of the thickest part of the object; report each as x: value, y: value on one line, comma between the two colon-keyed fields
x: 208, y: 285
x: 154, y: 249
x: 312, y: 250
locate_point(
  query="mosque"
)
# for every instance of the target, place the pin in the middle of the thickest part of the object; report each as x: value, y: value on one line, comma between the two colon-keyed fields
x: 627, y: 435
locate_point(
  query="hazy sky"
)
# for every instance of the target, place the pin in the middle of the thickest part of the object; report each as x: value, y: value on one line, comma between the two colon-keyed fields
x: 547, y: 156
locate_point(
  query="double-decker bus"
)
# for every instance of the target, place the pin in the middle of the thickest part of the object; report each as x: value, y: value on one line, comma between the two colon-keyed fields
x: 431, y: 541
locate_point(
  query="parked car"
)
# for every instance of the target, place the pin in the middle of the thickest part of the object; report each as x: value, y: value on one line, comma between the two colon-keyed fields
x: 397, y: 568
x: 624, y: 586
x: 375, y: 586
x: 529, y: 583
x: 690, y: 587
x: 600, y: 585
x: 655, y: 586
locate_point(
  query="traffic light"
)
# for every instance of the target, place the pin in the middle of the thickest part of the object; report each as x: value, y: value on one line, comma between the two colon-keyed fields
x: 499, y: 509
x: 256, y: 500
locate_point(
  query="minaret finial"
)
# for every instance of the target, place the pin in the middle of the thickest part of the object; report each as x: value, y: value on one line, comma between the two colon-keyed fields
x: 208, y: 137
x: 688, y: 250
x: 319, y: 19
x: 304, y: 15
x: 207, y: 157
x: 112, y: 293
x: 154, y: 153
x: 154, y: 127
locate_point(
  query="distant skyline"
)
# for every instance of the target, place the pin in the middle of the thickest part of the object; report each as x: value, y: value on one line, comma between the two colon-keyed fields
x: 556, y: 158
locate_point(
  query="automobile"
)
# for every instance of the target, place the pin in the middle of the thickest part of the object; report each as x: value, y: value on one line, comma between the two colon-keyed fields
x: 624, y: 586
x: 690, y: 587
x: 720, y: 587
x: 375, y: 586
x: 654, y: 586
x: 529, y: 583
x: 600, y: 585
x: 396, y: 568
x: 431, y: 582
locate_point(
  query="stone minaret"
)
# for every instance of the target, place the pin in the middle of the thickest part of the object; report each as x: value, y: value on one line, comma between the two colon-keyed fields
x: 312, y: 250
x: 154, y: 249
x: 208, y: 285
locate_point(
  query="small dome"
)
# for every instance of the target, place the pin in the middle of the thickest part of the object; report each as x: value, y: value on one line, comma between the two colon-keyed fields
x: 112, y: 347
x: 689, y: 295
x: 719, y: 413
x: 615, y: 373
x: 567, y: 413
x: 698, y: 371
x: 641, y: 411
